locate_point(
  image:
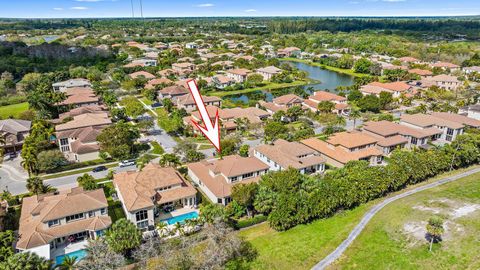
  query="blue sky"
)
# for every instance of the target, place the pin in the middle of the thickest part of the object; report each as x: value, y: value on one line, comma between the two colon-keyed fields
x: 182, y: 8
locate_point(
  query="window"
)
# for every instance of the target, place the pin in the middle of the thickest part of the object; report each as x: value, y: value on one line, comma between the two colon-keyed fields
x: 233, y: 179
x: 54, y: 222
x: 449, y: 131
x: 65, y: 148
x: 91, y: 214
x: 247, y: 175
x: 64, y: 141
x: 142, y: 224
x: 103, y: 211
x: 75, y: 217
x: 414, y: 141
x: 141, y: 215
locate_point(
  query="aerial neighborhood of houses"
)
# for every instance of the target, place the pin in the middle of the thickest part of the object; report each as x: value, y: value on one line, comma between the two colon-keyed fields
x: 129, y: 126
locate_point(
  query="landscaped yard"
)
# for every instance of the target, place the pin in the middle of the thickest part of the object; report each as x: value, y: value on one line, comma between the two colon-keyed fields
x: 305, y: 245
x: 395, y: 238
x: 13, y: 110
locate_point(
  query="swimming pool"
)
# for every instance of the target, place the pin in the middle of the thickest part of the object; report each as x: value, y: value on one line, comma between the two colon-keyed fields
x: 181, y: 218
x: 80, y: 254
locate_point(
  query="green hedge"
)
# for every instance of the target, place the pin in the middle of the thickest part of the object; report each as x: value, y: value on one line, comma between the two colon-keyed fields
x: 290, y: 198
x: 244, y: 223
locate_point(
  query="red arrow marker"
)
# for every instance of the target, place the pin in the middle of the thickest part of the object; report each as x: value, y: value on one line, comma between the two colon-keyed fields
x: 210, y: 130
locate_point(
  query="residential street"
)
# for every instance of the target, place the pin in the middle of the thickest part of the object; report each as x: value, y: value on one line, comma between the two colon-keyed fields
x: 158, y: 134
x: 15, y: 181
x: 375, y: 209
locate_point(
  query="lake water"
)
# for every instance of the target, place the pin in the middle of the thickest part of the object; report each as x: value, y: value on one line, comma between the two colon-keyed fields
x: 328, y: 80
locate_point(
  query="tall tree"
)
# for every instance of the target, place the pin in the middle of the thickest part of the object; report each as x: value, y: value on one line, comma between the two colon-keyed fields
x: 118, y: 140
x: 244, y: 194
x: 36, y: 186
x: 26, y: 260
x: 100, y: 257
x: 87, y: 182
x: 123, y: 236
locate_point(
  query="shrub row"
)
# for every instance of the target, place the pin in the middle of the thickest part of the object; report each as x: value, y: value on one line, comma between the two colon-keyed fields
x: 289, y: 198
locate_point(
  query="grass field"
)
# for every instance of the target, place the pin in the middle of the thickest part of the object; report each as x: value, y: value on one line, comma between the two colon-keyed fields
x: 394, y: 238
x: 303, y: 246
x: 339, y: 70
x: 13, y: 110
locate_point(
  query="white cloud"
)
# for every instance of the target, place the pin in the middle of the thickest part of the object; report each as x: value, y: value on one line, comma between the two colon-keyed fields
x: 205, y: 5
x: 79, y: 8
x: 57, y: 8
x: 251, y: 10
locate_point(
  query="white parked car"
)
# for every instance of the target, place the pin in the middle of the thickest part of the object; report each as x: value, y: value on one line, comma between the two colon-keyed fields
x: 127, y: 163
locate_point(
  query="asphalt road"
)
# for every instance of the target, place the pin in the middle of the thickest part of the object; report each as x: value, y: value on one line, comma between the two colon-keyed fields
x: 375, y: 209
x: 17, y: 185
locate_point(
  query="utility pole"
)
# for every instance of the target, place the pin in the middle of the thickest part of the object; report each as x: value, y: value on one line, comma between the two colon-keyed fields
x: 133, y: 11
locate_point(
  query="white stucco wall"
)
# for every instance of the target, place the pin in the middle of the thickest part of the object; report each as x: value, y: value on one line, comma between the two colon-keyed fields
x: 42, y: 251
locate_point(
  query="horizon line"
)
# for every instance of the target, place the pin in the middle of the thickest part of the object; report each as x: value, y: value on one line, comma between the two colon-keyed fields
x: 247, y: 16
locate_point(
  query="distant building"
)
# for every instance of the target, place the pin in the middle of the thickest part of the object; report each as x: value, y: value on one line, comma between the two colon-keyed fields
x: 188, y: 103
x: 79, y: 97
x: 73, y: 83
x: 281, y: 103
x: 444, y: 81
x: 268, y: 72
x: 14, y: 131
x: 449, y: 129
x: 183, y: 67
x: 343, y: 147
x: 77, y: 139
x: 472, y: 111
x: 395, y: 88
x: 341, y: 106
x: 238, y: 75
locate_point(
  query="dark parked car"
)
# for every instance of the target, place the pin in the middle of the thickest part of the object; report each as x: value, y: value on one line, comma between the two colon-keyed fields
x: 99, y: 169
x: 156, y: 105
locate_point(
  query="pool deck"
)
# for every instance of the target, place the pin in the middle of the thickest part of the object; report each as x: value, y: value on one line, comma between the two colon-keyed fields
x: 69, y: 249
x: 176, y: 213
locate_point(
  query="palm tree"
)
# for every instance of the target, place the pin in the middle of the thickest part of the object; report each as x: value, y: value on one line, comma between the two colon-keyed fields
x: 35, y: 185
x: 68, y: 263
x: 354, y: 114
x: 29, y: 162
x: 162, y: 228
x: 179, y: 228
x: 435, y: 230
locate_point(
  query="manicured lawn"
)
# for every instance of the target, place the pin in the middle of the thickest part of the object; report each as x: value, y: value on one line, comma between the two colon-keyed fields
x: 115, y: 210
x: 13, y: 110
x: 339, y: 70
x: 386, y: 244
x: 269, y: 86
x: 146, y: 101
x: 304, y: 245
x: 157, y: 148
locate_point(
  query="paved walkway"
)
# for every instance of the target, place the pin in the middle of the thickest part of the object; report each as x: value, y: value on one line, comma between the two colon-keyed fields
x: 375, y: 209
